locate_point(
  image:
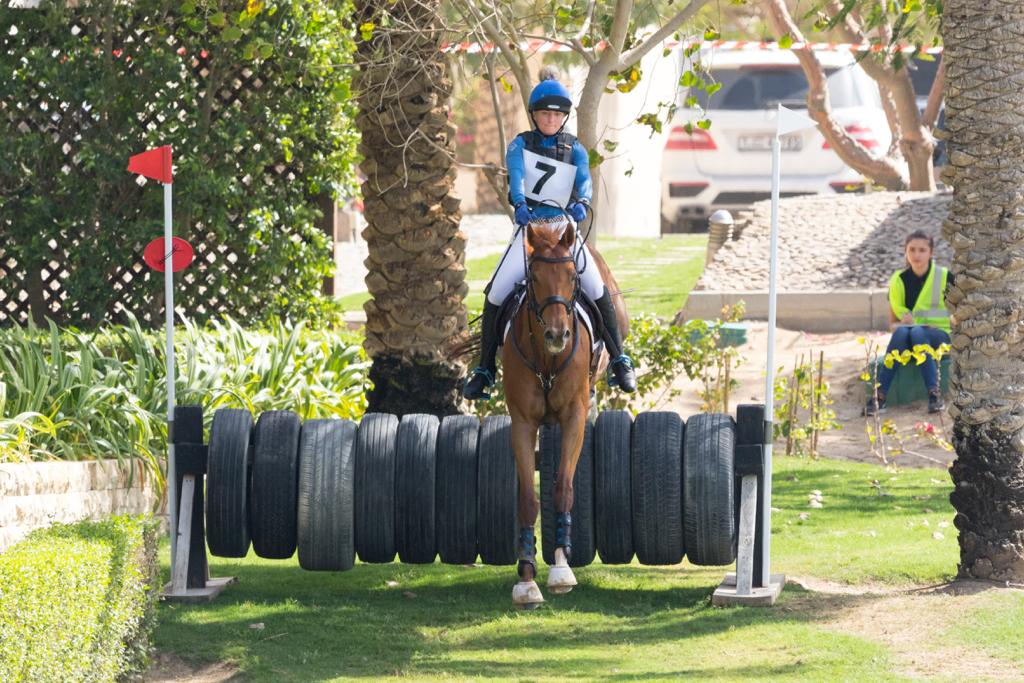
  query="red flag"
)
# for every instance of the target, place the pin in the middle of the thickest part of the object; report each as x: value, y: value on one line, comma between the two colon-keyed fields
x: 154, y: 164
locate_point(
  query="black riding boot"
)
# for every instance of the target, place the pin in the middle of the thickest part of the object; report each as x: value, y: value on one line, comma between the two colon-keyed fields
x: 621, y: 366
x: 483, y: 375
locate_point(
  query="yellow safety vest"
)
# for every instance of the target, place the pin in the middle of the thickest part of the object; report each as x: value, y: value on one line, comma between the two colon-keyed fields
x: 927, y: 310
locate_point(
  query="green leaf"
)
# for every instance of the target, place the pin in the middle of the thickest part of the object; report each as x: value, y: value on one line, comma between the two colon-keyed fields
x: 218, y: 19
x: 366, y: 30
x: 594, y: 158
x: 610, y: 145
x: 713, y: 88
x: 232, y: 34
x: 266, y: 49
x: 786, y: 42
x: 704, y: 124
x: 711, y: 33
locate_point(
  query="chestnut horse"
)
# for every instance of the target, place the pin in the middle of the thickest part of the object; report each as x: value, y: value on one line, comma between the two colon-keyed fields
x: 548, y: 371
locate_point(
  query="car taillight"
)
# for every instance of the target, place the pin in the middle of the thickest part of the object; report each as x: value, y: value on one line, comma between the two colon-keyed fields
x: 862, y: 134
x: 698, y: 139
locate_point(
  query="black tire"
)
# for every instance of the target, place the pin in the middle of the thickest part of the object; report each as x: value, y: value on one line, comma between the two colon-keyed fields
x: 583, y: 546
x: 375, y: 487
x: 613, y: 506
x: 275, y: 477
x: 456, y: 497
x: 416, y: 458
x: 498, y: 488
x: 656, y: 458
x: 227, y: 483
x: 326, y: 510
x: 709, y: 490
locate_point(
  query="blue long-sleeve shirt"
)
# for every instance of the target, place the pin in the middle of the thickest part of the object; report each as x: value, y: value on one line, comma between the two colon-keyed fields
x: 517, y: 172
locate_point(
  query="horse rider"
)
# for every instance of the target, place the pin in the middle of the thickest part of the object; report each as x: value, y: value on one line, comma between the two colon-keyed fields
x: 547, y: 169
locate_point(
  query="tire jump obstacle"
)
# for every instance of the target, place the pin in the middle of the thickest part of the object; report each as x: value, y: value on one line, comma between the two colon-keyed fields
x: 422, y: 488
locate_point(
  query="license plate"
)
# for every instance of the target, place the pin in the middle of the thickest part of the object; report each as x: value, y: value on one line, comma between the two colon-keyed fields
x: 763, y: 143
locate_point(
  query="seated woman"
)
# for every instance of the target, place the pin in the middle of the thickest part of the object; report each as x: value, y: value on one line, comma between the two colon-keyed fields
x: 917, y: 315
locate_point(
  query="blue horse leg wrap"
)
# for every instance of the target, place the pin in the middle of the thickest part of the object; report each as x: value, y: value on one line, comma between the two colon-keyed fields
x: 563, y: 533
x: 527, y: 550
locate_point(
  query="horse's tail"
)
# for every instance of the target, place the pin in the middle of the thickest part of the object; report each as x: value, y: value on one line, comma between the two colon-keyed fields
x: 466, y: 347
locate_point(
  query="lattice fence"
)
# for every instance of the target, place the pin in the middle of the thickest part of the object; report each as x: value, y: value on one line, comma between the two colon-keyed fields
x: 210, y: 283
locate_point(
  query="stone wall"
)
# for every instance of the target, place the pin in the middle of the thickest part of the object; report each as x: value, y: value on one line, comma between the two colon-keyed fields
x: 827, y: 242
x: 34, y: 495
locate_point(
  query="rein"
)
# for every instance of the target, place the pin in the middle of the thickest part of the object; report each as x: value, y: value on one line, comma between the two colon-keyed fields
x: 547, y: 378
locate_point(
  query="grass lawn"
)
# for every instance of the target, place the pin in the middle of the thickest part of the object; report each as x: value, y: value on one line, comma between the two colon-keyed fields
x: 442, y: 622
x: 656, y: 273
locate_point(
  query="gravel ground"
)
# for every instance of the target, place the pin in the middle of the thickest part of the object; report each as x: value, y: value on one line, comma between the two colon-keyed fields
x: 850, y: 241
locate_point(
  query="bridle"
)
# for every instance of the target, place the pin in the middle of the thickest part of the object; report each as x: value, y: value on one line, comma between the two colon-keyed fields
x: 547, y: 378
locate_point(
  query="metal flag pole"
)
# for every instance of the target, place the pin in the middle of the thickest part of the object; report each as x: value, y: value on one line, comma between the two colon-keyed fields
x: 172, y: 480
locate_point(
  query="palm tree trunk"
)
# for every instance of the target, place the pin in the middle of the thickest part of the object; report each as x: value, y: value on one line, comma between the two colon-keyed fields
x: 984, y: 57
x: 416, y: 252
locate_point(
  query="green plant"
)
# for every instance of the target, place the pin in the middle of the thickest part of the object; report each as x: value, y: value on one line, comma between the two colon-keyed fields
x: 76, y: 395
x: 257, y: 107
x: 878, y: 429
x: 803, y: 406
x: 78, y: 602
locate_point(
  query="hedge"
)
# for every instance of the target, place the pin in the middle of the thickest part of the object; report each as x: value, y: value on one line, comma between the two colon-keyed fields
x: 78, y: 601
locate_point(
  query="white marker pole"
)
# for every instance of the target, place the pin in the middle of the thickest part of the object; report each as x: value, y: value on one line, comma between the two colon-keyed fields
x: 787, y: 121
x: 769, y: 390
x: 169, y: 304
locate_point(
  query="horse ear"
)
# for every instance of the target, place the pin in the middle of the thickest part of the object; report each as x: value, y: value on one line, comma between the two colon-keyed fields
x: 528, y: 242
x: 568, y: 237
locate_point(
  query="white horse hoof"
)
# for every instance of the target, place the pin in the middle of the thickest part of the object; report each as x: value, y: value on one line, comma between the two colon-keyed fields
x: 527, y: 595
x: 561, y: 579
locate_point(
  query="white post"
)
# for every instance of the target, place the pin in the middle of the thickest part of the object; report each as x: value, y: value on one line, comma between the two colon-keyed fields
x: 169, y: 302
x: 769, y: 391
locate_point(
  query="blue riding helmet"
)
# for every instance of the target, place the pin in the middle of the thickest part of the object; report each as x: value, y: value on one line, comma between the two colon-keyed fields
x: 550, y: 95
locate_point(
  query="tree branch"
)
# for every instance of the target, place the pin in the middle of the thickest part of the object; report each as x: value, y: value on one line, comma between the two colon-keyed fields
x: 513, y: 57
x: 931, y: 110
x: 635, y: 54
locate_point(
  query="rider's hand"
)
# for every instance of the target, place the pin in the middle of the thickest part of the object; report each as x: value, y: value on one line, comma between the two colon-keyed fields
x: 522, y: 214
x: 907, y: 319
x: 577, y: 210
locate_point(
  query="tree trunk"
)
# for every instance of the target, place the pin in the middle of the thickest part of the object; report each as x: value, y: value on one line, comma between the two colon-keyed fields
x: 984, y: 57
x: 416, y: 252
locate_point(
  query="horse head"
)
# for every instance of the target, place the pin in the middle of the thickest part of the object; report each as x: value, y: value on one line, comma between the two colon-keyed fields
x: 552, y: 280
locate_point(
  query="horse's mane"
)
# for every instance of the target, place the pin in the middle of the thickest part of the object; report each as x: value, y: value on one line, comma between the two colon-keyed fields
x: 548, y: 232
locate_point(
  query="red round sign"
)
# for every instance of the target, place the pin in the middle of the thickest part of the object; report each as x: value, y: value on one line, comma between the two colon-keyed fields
x: 181, y: 254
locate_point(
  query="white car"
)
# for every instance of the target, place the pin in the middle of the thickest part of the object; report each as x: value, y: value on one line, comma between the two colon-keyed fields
x: 728, y: 166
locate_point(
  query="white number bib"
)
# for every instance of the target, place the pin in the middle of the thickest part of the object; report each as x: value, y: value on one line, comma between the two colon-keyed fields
x: 548, y: 179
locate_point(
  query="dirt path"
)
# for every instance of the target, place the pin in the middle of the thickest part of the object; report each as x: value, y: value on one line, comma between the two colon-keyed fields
x: 913, y: 624
x: 844, y: 360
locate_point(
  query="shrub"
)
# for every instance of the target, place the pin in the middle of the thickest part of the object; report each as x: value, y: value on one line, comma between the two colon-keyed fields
x: 78, y: 601
x: 253, y: 100
x: 77, y: 395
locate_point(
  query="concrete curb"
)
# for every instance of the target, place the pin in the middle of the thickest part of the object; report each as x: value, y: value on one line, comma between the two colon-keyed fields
x: 814, y: 311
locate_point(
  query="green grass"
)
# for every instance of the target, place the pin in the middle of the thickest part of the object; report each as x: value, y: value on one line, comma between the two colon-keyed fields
x: 656, y: 273
x: 621, y: 622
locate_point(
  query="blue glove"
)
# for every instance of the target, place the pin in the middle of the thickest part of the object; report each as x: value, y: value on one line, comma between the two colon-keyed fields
x: 522, y: 214
x: 578, y: 211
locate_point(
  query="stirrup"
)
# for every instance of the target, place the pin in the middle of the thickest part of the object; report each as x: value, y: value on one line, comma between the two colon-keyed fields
x: 488, y: 378
x: 613, y: 381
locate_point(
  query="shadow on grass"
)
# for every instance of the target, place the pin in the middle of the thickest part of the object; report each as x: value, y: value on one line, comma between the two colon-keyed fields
x: 451, y: 620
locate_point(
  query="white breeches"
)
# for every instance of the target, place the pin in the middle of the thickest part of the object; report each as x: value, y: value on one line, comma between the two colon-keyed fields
x: 513, y: 269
